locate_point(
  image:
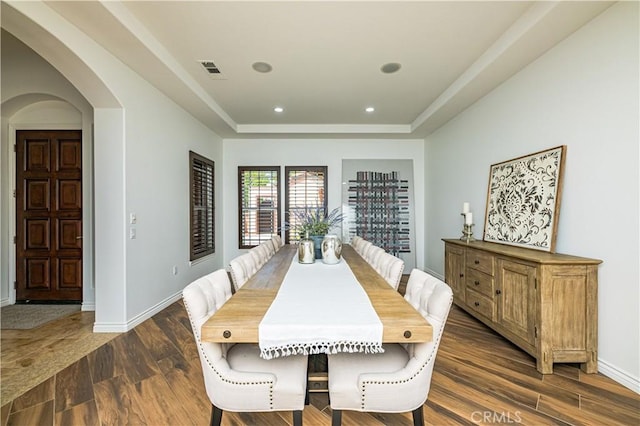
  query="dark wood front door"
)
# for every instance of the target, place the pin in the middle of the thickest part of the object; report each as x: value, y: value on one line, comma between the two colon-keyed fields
x: 49, y: 215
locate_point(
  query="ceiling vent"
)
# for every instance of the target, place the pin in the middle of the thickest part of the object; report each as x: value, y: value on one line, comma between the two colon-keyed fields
x: 213, y: 70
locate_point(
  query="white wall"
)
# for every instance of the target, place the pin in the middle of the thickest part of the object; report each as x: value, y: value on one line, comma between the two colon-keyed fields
x: 315, y: 152
x: 141, y: 166
x: 583, y: 94
x: 159, y: 136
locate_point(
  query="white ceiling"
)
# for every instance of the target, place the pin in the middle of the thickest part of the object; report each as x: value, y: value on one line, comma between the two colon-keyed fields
x: 326, y: 57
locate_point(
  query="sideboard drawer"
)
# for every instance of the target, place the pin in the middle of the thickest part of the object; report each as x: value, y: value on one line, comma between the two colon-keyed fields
x: 480, y: 261
x: 480, y: 282
x: 481, y: 304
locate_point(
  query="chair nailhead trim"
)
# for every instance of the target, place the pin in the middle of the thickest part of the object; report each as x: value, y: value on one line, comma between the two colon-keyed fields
x: 397, y: 382
x: 224, y: 379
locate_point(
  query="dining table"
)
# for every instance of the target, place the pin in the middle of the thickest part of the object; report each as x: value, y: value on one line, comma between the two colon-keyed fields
x: 239, y: 319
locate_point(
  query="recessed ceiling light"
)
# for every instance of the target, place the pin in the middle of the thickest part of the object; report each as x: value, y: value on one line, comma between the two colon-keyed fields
x: 262, y: 67
x: 390, y: 68
x: 369, y: 109
x: 278, y: 109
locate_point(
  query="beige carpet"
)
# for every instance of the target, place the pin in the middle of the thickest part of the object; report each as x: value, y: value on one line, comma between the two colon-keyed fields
x: 26, y: 317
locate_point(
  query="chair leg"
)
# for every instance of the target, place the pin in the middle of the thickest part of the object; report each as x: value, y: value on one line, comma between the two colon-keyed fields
x: 216, y: 415
x: 297, y: 418
x: 336, y: 418
x: 306, y: 392
x: 418, y: 417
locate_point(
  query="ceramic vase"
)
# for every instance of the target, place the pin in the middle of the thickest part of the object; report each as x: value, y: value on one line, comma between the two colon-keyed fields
x: 317, y: 244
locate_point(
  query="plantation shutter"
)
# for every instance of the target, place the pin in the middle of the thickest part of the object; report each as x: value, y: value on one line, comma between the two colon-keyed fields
x: 259, y: 204
x: 306, y: 189
x: 202, y: 227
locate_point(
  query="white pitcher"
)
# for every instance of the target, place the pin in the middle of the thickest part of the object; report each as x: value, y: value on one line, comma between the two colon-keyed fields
x: 331, y: 249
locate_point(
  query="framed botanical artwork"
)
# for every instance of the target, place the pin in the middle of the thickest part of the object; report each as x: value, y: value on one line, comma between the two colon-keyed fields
x: 523, y: 200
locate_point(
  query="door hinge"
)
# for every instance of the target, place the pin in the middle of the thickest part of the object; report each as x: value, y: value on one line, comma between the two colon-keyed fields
x: 535, y: 283
x: 535, y: 332
x: 14, y: 147
x: 14, y: 193
x: 15, y: 285
x: 15, y: 240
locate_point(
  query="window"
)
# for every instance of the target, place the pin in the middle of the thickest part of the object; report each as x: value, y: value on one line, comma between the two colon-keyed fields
x: 201, y: 212
x: 306, y: 189
x: 259, y: 204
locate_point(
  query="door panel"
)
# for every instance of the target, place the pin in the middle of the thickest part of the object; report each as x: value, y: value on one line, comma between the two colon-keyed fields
x: 70, y: 234
x: 516, y: 303
x: 70, y: 156
x: 69, y: 195
x: 70, y: 273
x: 49, y: 215
x: 37, y: 234
x: 37, y: 274
x: 37, y: 155
x: 37, y: 194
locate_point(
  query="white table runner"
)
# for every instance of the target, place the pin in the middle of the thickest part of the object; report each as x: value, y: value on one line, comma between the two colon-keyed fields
x: 319, y: 308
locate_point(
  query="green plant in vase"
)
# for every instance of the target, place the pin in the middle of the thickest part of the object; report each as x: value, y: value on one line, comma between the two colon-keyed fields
x: 315, y: 223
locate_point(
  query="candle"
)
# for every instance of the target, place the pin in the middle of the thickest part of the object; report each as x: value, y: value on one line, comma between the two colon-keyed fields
x: 465, y: 207
x: 468, y: 218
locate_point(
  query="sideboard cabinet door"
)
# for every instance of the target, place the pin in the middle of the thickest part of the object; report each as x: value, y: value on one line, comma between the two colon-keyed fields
x: 515, y: 299
x: 454, y: 259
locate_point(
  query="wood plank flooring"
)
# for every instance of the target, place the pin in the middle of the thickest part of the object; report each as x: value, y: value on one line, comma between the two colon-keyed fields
x: 28, y: 357
x: 152, y: 376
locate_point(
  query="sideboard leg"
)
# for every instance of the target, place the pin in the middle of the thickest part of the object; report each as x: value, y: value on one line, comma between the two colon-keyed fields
x: 544, y: 364
x: 591, y: 366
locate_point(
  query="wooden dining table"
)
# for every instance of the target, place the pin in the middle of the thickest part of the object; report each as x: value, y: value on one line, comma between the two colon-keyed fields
x: 238, y: 320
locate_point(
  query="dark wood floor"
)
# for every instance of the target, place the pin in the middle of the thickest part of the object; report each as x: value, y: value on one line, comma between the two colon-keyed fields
x: 151, y: 376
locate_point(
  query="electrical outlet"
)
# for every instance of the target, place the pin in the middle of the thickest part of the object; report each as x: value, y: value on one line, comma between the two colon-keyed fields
x: 132, y: 233
x: 133, y: 219
x: 174, y: 270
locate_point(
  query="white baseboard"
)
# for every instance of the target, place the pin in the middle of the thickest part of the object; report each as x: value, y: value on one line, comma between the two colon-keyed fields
x: 119, y: 327
x: 622, y: 377
x: 5, y: 302
x: 110, y: 327
x: 88, y: 307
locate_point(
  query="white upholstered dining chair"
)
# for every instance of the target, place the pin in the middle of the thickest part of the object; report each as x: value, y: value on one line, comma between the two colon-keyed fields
x: 391, y: 268
x: 363, y: 247
x: 369, y: 252
x: 399, y: 379
x: 242, y: 268
x: 355, y: 242
x: 277, y: 242
x: 268, y: 246
x: 260, y: 255
x: 235, y: 377
x: 376, y: 255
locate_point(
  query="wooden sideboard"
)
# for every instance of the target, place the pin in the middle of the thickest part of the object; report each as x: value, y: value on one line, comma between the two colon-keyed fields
x: 545, y: 303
